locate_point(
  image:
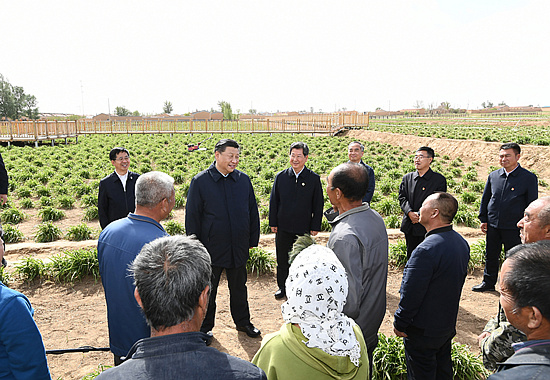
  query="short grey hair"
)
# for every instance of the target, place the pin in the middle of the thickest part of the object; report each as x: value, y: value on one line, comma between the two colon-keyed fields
x: 152, y: 188
x: 544, y: 213
x: 170, y: 273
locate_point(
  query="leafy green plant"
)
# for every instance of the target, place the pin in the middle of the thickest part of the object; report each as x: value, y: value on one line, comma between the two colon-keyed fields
x: 91, y: 213
x: 12, y: 234
x: 173, y: 227
x: 46, y: 232
x: 23, y: 192
x: 96, y: 373
x: 392, y: 221
x: 74, y: 265
x: 89, y: 200
x: 30, y: 268
x: 264, y: 227
x: 49, y: 213
x: 80, y: 232
x: 26, y: 203
x: 12, y: 216
x: 65, y: 201
x: 46, y: 201
x: 398, y: 254
x: 260, y: 261
x: 4, y: 276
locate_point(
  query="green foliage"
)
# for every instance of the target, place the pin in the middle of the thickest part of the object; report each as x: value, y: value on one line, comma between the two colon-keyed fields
x: 96, y: 373
x: 74, y: 265
x: 264, y: 227
x: 30, y: 268
x: 80, y: 232
x: 392, y: 221
x: 15, y: 103
x: 398, y: 254
x: 65, y: 201
x: 4, y: 276
x: 389, y: 361
x: 88, y: 200
x: 23, y: 192
x: 12, y: 234
x: 91, y: 213
x: 12, y: 216
x: 260, y: 261
x: 46, y: 232
x: 49, y: 213
x: 173, y: 227
x: 46, y: 201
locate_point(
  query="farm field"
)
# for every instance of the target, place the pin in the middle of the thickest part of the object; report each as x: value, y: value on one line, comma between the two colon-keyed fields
x: 73, y: 315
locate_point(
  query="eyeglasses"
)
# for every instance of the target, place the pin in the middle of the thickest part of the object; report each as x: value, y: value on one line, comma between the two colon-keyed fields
x: 420, y: 157
x: 120, y: 159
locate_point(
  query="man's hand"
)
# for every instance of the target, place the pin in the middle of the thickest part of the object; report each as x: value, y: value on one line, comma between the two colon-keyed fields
x: 484, y: 228
x: 413, y: 216
x: 274, y: 229
x: 400, y: 333
x: 482, y: 336
x: 313, y: 233
x: 3, y: 199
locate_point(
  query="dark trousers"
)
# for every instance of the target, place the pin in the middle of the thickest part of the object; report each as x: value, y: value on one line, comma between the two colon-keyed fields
x: 429, y: 358
x: 283, y: 245
x: 412, y: 242
x: 370, y: 353
x: 497, y: 237
x: 238, y: 297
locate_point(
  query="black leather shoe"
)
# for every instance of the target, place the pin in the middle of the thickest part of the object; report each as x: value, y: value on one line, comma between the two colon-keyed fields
x: 250, y: 330
x: 209, y: 338
x: 483, y: 287
x: 280, y: 294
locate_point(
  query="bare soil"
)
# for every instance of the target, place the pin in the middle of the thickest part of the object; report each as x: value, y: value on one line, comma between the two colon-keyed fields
x: 70, y: 316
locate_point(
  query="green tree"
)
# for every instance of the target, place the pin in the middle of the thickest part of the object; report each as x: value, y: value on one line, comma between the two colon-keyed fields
x: 122, y: 111
x: 136, y: 113
x: 487, y: 104
x: 168, y: 107
x: 226, y: 110
x: 252, y: 111
x: 14, y: 103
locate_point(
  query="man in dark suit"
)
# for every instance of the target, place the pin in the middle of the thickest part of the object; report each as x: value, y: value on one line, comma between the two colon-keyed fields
x: 117, y: 195
x: 295, y: 208
x: 507, y: 193
x: 430, y: 292
x: 221, y: 211
x: 414, y: 189
x: 355, y: 153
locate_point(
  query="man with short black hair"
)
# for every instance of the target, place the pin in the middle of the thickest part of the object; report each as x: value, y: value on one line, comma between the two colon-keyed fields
x: 221, y: 211
x: 507, y: 193
x: 172, y: 278
x: 430, y: 292
x: 414, y: 189
x: 355, y: 154
x: 116, y: 196
x: 295, y: 208
x: 118, y: 245
x: 524, y: 289
x: 360, y: 241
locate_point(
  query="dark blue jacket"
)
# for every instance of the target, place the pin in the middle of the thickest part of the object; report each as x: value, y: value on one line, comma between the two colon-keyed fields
x: 113, y: 202
x: 505, y: 198
x: 414, y: 190
x: 530, y: 362
x: 372, y: 183
x: 181, y: 356
x: 296, y: 204
x: 3, y: 177
x: 432, y: 284
x: 223, y: 214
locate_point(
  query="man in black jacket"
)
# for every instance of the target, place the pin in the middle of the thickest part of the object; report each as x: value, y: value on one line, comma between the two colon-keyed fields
x: 117, y: 195
x: 414, y: 189
x: 295, y: 208
x: 221, y: 211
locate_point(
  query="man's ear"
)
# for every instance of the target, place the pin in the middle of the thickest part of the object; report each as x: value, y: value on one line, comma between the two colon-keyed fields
x: 138, y: 298
x: 535, y: 318
x: 546, y: 230
x: 203, y: 298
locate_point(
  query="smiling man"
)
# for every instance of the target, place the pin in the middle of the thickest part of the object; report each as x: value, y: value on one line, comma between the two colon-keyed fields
x: 295, y: 208
x: 507, y: 193
x: 221, y: 211
x: 414, y: 189
x: 355, y: 155
x: 117, y: 195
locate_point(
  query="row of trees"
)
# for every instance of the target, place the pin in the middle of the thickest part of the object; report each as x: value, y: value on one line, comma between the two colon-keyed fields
x: 14, y: 103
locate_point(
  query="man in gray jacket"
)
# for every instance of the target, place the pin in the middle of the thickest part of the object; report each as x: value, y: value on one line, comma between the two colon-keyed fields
x: 360, y: 241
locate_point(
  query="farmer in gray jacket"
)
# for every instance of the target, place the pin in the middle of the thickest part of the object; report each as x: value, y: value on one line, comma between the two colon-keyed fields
x: 360, y: 241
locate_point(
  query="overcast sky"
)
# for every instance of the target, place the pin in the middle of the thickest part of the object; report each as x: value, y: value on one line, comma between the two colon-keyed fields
x: 84, y: 56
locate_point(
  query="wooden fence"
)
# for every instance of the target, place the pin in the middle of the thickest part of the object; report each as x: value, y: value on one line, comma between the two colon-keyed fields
x: 327, y: 124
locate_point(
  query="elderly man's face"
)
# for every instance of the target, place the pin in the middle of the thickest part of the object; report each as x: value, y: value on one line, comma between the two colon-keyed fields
x: 297, y: 159
x: 426, y: 211
x: 355, y: 153
x: 227, y: 161
x: 518, y: 317
x: 508, y: 159
x: 529, y: 226
x: 331, y: 193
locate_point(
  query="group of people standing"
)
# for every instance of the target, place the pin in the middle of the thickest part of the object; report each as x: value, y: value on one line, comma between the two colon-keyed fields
x: 161, y: 312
